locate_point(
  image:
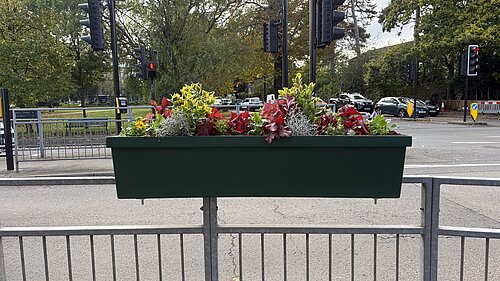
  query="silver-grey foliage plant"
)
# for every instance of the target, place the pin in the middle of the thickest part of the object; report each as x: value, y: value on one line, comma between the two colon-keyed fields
x: 299, y: 123
x: 175, y: 125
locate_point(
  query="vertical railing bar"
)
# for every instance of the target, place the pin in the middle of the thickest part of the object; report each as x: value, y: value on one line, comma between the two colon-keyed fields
x: 486, y: 259
x: 45, y: 258
x: 374, y: 257
x: 352, y: 257
x: 68, y: 253
x: 284, y: 257
x: 330, y: 257
x: 262, y: 255
x: 462, y: 257
x: 23, y: 262
x: 307, y: 257
x: 92, y: 256
x: 136, y: 252
x: 158, y: 240
x: 240, y: 253
x: 3, y: 276
x: 397, y: 257
x: 113, y: 257
x: 182, y: 257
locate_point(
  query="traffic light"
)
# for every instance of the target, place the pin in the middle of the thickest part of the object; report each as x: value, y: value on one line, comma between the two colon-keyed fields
x: 140, y: 55
x: 462, y: 65
x: 270, y: 37
x: 152, y: 70
x: 472, y: 60
x: 412, y: 71
x: 327, y: 19
x: 94, y: 22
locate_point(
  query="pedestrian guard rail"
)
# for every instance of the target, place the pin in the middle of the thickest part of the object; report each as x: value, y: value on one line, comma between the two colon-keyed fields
x: 430, y: 231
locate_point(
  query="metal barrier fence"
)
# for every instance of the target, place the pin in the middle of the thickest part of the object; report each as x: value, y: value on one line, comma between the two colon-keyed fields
x: 489, y: 107
x: 62, y: 133
x: 271, y: 239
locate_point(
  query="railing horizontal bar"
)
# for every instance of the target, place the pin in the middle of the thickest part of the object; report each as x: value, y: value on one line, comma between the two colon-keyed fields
x: 469, y: 232
x: 321, y: 229
x: 416, y: 179
x: 99, y: 230
x: 100, y: 180
x: 468, y: 181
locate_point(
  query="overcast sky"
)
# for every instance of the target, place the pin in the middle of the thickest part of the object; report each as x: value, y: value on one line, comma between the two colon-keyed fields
x: 381, y: 39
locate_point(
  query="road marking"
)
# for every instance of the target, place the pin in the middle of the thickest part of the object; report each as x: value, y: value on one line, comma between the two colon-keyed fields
x: 450, y: 165
x: 476, y: 142
x: 493, y: 136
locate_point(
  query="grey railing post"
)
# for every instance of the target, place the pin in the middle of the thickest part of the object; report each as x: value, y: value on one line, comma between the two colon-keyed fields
x: 436, y: 195
x: 16, y: 140
x: 210, y: 238
x: 3, y: 276
x: 426, y: 201
x: 40, y: 132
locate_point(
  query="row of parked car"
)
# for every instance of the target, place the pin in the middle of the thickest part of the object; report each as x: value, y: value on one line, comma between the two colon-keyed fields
x: 397, y: 106
x: 389, y: 105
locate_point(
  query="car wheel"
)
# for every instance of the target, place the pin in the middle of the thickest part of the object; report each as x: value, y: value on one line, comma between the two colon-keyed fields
x: 378, y: 110
x: 401, y: 113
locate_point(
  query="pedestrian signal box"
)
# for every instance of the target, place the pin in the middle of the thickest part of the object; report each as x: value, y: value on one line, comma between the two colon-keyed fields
x: 121, y: 104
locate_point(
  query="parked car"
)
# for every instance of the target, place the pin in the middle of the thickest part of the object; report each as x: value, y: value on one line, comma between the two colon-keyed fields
x: 432, y: 108
x: 252, y: 104
x: 357, y: 100
x: 226, y: 102
x: 398, y: 106
x: 217, y: 102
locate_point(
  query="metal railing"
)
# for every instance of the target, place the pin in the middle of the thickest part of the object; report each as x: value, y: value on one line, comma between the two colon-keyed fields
x: 271, y: 239
x: 62, y: 133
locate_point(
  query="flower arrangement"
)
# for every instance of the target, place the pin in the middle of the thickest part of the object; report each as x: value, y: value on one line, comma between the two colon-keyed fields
x: 294, y: 114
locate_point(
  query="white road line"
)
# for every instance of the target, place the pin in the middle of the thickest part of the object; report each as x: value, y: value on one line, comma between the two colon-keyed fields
x: 451, y: 165
x: 475, y: 142
x: 493, y: 136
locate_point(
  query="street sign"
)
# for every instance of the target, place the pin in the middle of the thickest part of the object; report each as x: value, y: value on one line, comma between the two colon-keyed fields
x: 409, y: 109
x: 473, y: 110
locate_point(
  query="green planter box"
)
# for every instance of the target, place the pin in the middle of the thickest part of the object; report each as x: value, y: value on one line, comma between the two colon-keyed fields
x: 246, y: 166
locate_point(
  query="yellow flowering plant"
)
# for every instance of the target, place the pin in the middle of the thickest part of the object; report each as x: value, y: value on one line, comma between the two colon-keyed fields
x: 194, y: 102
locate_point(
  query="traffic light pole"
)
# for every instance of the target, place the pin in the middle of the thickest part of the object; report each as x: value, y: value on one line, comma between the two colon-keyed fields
x: 415, y: 88
x: 284, y: 65
x: 7, y: 133
x: 312, y: 41
x: 465, y: 96
x: 114, y: 52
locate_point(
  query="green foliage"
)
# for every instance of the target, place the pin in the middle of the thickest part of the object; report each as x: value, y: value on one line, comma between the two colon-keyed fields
x: 381, y: 126
x: 143, y: 126
x: 304, y: 97
x: 194, y: 102
x: 34, y: 64
x: 221, y: 126
x: 256, y: 124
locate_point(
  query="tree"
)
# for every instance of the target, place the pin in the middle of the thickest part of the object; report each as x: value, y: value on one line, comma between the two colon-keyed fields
x: 34, y: 64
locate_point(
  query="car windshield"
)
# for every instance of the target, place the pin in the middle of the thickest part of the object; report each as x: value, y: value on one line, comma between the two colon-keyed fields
x: 254, y: 100
x: 358, y: 97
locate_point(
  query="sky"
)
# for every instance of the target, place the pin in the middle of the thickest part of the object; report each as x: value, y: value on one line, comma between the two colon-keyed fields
x: 380, y: 39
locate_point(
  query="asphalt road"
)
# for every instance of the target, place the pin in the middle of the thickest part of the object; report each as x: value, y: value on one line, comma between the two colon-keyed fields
x: 438, y: 149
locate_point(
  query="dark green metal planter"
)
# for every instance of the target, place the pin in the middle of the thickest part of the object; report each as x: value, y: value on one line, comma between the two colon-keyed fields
x: 246, y: 166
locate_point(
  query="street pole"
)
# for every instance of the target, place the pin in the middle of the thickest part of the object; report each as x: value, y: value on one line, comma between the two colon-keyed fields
x: 9, y: 155
x: 114, y: 53
x: 465, y: 96
x: 415, y: 85
x: 284, y: 66
x: 312, y: 41
x: 151, y: 51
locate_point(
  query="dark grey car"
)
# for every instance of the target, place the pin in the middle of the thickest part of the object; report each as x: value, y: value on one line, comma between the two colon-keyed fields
x: 398, y: 106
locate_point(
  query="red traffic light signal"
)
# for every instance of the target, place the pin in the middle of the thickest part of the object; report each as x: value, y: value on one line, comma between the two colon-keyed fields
x: 152, y: 70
